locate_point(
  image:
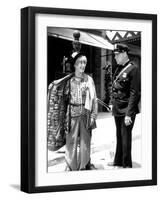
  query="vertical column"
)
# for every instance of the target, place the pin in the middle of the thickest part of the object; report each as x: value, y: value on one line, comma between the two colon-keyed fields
x: 102, y: 72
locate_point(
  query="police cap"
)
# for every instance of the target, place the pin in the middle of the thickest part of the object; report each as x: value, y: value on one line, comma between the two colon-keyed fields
x: 120, y: 48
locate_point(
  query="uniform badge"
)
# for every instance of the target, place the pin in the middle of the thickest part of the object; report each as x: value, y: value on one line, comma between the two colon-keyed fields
x: 124, y: 75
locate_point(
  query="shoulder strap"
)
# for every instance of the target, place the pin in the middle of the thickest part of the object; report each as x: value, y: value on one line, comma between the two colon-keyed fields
x: 121, y: 72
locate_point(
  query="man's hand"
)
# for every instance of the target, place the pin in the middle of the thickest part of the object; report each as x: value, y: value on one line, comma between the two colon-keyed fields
x: 128, y: 120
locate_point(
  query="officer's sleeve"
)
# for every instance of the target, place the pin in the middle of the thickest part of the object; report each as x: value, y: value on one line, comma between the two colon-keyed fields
x: 134, y: 92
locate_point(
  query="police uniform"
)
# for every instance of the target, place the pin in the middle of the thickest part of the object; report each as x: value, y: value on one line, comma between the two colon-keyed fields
x: 125, y: 99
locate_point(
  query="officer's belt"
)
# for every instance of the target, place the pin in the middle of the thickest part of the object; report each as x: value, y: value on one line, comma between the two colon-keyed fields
x: 116, y: 95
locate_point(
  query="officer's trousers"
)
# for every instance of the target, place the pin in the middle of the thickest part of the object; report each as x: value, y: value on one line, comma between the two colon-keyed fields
x: 123, y: 144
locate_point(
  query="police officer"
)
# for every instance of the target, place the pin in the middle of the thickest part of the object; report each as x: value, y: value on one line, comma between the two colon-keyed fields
x: 125, y: 99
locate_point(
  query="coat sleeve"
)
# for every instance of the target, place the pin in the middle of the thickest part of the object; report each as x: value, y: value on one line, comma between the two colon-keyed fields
x: 94, y: 110
x: 134, y: 91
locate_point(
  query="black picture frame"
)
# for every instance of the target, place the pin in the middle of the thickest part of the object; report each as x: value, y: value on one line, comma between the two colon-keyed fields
x: 28, y: 98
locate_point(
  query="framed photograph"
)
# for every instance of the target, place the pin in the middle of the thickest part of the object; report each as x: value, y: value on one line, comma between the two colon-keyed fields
x: 88, y: 99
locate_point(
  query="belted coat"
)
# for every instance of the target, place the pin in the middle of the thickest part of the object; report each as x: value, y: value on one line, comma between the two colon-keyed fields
x: 126, y: 90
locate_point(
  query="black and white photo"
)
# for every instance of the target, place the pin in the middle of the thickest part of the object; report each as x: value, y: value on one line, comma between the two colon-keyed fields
x: 114, y: 95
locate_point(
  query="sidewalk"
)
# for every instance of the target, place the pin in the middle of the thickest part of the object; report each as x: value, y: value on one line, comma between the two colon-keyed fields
x: 102, y: 145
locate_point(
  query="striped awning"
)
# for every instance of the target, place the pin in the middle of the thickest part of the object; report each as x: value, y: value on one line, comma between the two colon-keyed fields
x: 122, y: 36
x: 85, y: 38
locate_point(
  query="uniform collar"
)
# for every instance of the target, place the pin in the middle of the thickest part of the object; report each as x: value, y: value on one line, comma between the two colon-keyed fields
x: 120, y: 67
x: 126, y: 63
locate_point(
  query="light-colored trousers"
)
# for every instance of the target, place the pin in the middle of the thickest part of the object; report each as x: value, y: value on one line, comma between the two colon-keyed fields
x: 78, y: 144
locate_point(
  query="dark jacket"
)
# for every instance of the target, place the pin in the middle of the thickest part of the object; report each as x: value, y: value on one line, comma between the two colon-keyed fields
x: 56, y: 110
x: 126, y: 90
